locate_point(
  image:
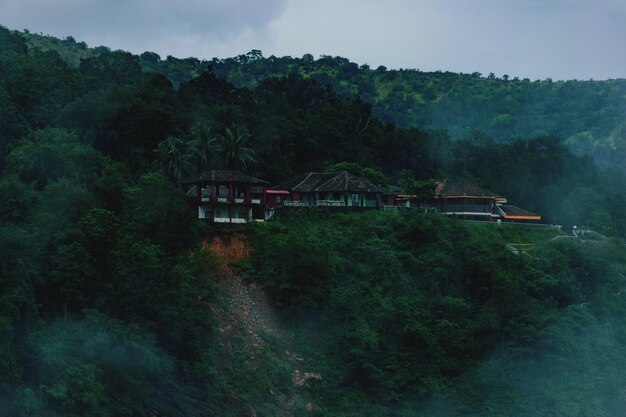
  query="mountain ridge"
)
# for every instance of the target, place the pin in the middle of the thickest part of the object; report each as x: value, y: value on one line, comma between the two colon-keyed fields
x: 588, y: 116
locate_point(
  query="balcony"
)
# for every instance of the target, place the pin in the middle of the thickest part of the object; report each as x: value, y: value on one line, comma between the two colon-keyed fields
x: 255, y: 201
x: 238, y: 200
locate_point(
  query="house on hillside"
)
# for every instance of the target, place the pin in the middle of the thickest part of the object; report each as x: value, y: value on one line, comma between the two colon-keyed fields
x: 229, y: 196
x: 321, y: 189
x: 460, y: 198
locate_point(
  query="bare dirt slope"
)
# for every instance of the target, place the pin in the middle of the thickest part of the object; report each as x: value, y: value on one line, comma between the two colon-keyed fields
x: 246, y: 313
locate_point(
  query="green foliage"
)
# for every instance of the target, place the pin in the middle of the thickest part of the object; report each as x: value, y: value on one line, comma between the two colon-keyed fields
x: 231, y: 146
x: 73, y: 271
x: 159, y: 212
x: 16, y: 199
x: 108, y: 304
x: 586, y: 114
x: 49, y: 154
x: 415, y: 308
x: 373, y: 175
x: 423, y: 190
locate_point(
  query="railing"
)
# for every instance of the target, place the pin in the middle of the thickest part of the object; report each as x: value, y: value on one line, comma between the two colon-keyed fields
x: 318, y: 203
x: 228, y: 220
x: 408, y: 208
x: 330, y: 203
x: 291, y: 203
x: 518, y: 224
x: 236, y: 200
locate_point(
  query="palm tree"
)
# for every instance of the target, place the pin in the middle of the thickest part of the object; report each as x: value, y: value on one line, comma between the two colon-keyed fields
x: 232, y: 148
x: 203, y: 144
x: 182, y: 157
x: 174, y: 157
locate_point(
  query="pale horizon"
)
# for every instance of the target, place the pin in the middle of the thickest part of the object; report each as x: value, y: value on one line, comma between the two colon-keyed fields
x: 557, y: 39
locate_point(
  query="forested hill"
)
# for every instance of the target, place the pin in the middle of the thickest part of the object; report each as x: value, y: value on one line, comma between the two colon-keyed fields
x: 115, y: 300
x: 589, y: 116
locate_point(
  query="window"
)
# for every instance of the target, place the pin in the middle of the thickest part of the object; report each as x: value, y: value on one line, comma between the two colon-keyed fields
x: 278, y: 199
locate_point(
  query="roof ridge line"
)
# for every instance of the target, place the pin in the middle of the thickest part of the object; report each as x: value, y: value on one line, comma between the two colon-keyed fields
x: 303, y: 180
x: 318, y: 186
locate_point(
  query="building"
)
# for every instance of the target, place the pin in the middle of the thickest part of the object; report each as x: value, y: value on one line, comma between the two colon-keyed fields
x: 321, y: 189
x: 515, y: 214
x: 460, y: 198
x: 235, y: 197
x: 229, y: 196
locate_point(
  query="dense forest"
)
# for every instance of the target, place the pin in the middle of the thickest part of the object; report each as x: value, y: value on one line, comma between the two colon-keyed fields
x: 588, y: 116
x: 112, y: 303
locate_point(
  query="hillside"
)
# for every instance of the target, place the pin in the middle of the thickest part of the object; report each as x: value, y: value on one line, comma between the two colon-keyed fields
x: 587, y: 115
x: 116, y: 300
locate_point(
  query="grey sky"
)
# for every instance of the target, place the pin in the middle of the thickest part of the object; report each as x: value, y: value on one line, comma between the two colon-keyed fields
x: 561, y: 39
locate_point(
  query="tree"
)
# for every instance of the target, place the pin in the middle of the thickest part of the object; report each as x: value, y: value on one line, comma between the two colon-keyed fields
x: 232, y: 148
x: 50, y: 154
x: 353, y: 168
x: 73, y: 271
x: 423, y: 190
x: 203, y: 145
x: 180, y: 157
x: 174, y: 157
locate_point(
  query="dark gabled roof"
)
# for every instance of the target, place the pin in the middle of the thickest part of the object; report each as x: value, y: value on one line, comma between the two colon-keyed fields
x: 510, y: 211
x: 217, y: 176
x: 305, y: 183
x: 328, y: 181
x: 344, y: 181
x: 460, y: 187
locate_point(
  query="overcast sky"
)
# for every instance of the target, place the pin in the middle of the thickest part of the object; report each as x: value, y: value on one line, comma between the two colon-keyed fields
x: 560, y: 39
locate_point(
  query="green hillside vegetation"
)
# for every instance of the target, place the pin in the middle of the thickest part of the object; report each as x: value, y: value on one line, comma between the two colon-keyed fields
x: 108, y: 303
x: 415, y: 315
x: 588, y: 116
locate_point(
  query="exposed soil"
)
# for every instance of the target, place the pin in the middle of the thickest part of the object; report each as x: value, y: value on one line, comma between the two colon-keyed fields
x: 245, y: 312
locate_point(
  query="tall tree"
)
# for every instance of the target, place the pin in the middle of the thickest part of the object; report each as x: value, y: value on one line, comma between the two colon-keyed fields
x: 174, y: 157
x: 233, y: 150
